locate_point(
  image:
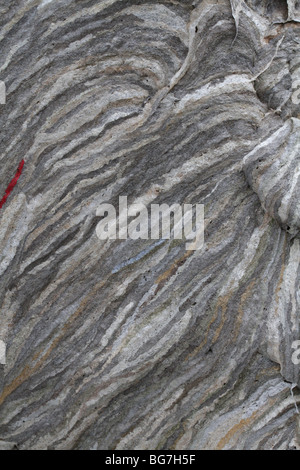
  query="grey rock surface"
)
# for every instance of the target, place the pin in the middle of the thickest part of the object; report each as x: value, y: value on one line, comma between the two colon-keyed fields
x: 124, y: 344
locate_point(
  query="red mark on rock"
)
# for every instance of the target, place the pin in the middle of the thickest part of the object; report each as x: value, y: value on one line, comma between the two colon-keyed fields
x: 12, y: 184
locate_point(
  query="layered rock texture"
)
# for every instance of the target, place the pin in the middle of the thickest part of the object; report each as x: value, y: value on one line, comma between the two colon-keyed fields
x: 124, y: 344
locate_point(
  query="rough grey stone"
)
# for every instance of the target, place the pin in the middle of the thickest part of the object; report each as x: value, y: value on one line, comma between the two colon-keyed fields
x: 126, y: 344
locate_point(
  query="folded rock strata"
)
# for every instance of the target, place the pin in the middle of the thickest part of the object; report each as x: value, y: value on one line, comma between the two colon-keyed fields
x: 124, y: 344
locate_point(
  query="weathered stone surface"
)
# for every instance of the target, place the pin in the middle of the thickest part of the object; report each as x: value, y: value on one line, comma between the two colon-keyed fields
x: 8, y: 445
x: 126, y: 344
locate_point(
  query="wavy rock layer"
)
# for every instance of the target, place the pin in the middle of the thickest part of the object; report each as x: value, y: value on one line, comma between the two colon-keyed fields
x: 273, y: 171
x: 141, y: 344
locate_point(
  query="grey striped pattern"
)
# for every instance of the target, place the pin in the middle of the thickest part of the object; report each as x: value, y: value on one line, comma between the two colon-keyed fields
x: 141, y: 344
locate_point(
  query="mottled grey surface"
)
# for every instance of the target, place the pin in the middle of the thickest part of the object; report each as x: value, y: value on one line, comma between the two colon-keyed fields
x: 137, y: 344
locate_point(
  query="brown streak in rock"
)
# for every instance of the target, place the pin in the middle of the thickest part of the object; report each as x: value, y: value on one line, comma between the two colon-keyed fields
x: 163, y: 278
x: 29, y: 371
